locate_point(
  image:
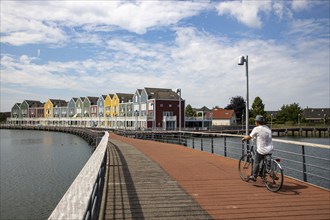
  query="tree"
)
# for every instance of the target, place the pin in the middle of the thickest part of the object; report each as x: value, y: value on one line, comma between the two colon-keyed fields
x: 289, y: 112
x: 189, y: 111
x: 238, y: 105
x: 258, y: 108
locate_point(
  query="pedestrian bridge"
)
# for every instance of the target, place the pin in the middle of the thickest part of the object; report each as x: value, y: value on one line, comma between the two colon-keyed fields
x: 143, y: 179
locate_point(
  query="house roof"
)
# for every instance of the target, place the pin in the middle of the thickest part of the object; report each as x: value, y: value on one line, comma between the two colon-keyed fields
x: 34, y: 103
x: 75, y: 99
x: 162, y: 94
x: 59, y: 102
x: 125, y: 97
x: 139, y: 91
x: 152, y: 92
x: 220, y: 113
x: 203, y: 109
x: 316, y: 113
x: 92, y: 100
x: 18, y: 105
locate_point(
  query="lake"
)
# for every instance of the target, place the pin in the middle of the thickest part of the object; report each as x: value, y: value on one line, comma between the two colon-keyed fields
x: 37, y: 167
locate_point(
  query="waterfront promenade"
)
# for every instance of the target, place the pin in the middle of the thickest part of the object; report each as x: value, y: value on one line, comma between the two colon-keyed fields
x: 153, y: 180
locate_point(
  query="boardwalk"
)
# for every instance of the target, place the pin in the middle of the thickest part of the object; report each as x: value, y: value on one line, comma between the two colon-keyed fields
x: 152, y: 180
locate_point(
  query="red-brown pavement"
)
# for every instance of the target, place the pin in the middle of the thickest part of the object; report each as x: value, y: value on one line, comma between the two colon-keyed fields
x: 214, y: 183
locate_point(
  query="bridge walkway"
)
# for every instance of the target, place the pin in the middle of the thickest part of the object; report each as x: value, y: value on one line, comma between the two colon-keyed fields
x: 153, y: 180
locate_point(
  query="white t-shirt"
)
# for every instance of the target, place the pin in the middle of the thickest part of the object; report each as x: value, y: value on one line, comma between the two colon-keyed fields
x: 263, y: 136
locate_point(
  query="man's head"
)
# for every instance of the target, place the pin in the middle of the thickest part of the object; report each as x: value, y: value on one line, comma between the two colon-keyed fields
x: 260, y: 119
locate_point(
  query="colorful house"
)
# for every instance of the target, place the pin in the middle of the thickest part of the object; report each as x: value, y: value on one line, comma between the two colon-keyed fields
x: 79, y: 107
x: 60, y: 108
x: 137, y: 101
x: 29, y: 108
x: 53, y: 108
x: 125, y: 104
x: 107, y: 105
x: 36, y: 110
x: 16, y: 111
x: 90, y: 107
x: 72, y: 111
x: 115, y: 106
x: 100, y: 106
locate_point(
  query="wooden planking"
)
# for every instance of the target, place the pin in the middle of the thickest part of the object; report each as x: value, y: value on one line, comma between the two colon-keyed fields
x: 214, y: 183
x: 138, y: 188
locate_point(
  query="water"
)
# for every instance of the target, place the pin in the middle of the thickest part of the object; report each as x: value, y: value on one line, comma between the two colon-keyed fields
x: 37, y: 167
x: 317, y: 159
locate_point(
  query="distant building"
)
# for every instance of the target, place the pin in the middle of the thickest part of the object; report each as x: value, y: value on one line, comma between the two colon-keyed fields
x: 316, y: 114
x: 205, y: 111
x: 223, y: 117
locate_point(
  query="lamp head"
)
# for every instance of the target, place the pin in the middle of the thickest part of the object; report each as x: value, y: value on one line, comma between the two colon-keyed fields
x: 241, y: 60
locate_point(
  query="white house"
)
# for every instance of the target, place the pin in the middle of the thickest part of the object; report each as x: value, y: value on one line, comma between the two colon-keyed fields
x: 223, y: 117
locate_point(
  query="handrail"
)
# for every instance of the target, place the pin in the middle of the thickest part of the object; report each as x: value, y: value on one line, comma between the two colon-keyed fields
x: 307, y: 144
x: 83, y: 196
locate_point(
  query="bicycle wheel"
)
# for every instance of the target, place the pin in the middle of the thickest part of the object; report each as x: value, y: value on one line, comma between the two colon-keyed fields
x: 245, y: 165
x: 273, y: 178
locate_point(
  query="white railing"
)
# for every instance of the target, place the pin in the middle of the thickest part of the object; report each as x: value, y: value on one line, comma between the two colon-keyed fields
x: 81, y: 199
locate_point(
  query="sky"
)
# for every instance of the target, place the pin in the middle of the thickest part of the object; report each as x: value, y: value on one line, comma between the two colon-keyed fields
x: 64, y: 49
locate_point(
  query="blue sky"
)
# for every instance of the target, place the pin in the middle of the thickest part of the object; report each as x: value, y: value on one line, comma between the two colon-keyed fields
x: 65, y: 49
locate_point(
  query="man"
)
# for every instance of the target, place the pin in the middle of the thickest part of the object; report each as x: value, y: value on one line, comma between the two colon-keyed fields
x: 263, y: 137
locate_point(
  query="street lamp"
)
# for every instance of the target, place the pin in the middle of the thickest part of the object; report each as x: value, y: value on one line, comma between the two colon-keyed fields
x: 178, y: 91
x: 241, y: 61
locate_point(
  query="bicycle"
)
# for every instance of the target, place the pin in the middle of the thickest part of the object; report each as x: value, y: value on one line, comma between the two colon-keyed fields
x: 270, y: 170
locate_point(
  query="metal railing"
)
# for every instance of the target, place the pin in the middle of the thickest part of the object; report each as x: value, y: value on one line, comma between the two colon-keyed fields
x: 82, y: 199
x: 308, y: 162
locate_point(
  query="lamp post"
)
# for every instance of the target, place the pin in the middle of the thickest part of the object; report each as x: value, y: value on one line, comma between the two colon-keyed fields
x: 241, y: 61
x: 178, y: 91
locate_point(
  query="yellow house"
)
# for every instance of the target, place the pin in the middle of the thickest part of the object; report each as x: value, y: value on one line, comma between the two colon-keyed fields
x: 48, y: 108
x: 107, y: 106
x: 115, y: 106
x: 107, y: 109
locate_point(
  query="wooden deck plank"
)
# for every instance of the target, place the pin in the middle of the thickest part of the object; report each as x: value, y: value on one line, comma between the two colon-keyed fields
x: 138, y: 188
x: 213, y: 182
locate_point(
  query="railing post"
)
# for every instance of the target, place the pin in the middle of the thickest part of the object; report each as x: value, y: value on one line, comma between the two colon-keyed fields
x: 212, y: 148
x: 193, y: 143
x: 201, y: 144
x: 225, y: 146
x: 304, y: 163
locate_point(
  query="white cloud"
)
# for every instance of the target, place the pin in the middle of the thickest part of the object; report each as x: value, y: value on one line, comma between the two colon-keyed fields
x: 203, y: 65
x: 309, y: 28
x: 299, y: 5
x: 33, y: 22
x: 246, y: 12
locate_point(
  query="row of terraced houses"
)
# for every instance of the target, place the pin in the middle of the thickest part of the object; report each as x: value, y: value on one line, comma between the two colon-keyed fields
x: 147, y: 108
